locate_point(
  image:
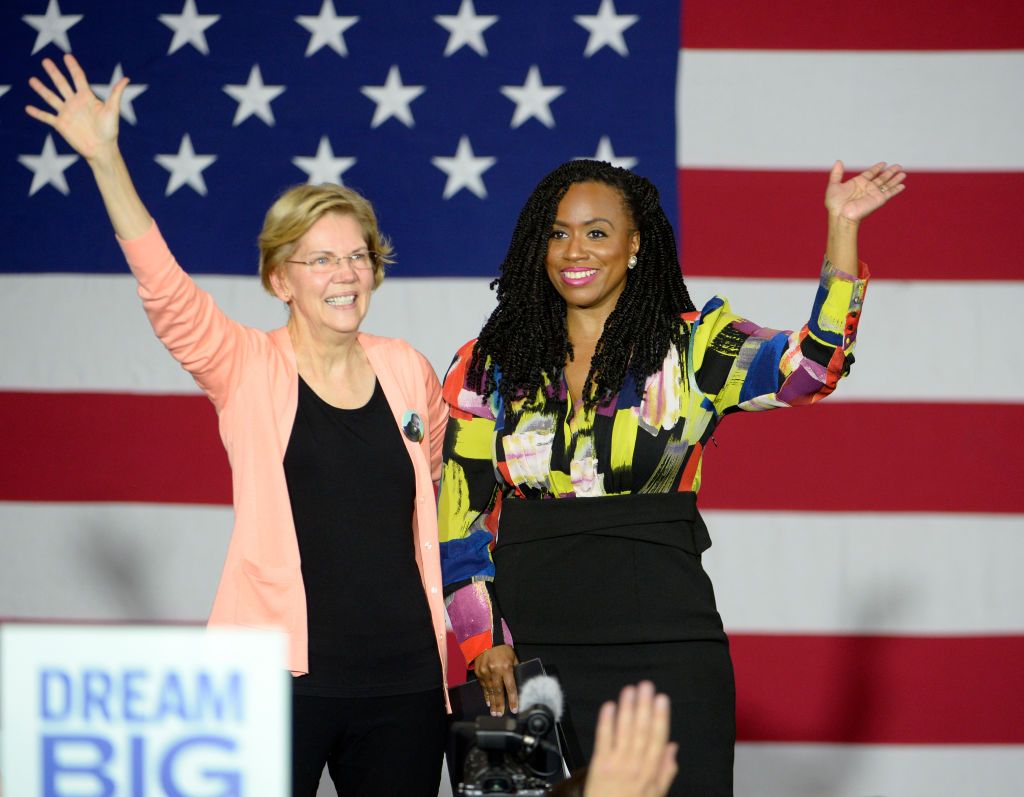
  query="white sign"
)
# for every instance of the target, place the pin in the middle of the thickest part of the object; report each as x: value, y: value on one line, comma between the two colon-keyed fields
x: 143, y: 712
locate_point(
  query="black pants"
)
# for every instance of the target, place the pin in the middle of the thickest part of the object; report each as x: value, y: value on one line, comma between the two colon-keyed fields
x: 372, y: 746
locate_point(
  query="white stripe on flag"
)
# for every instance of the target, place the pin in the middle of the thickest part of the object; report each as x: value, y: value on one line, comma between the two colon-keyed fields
x: 865, y: 572
x: 844, y: 573
x: 828, y: 770
x: 781, y: 109
x: 96, y: 337
x: 111, y: 561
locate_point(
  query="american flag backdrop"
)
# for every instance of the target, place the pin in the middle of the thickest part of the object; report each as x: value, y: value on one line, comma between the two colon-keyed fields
x: 877, y: 617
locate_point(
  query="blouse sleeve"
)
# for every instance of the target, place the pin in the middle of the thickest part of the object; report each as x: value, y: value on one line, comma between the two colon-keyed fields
x: 468, y: 507
x: 742, y: 366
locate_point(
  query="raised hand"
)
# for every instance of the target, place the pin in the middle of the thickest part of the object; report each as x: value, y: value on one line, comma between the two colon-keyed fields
x: 87, y: 124
x: 90, y: 127
x: 860, y: 196
x: 632, y: 754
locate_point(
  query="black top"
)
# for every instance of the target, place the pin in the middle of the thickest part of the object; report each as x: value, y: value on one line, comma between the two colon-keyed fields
x: 352, y: 492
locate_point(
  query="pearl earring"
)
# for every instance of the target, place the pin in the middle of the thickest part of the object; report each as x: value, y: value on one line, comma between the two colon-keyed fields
x: 631, y: 263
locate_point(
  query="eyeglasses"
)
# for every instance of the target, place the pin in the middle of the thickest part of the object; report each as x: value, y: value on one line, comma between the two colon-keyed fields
x: 325, y: 264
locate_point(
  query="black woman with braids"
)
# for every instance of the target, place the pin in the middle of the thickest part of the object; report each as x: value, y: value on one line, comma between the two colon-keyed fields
x: 597, y: 380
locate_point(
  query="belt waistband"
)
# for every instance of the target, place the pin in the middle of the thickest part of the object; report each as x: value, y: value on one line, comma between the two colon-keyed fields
x: 659, y: 518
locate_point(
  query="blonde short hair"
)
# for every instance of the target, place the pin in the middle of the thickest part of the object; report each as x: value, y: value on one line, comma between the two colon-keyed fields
x: 299, y: 208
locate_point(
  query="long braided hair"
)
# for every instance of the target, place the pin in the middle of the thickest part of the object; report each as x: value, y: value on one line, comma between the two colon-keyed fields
x: 526, y: 338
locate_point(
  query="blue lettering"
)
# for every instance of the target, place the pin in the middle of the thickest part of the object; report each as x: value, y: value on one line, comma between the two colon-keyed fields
x: 231, y: 780
x: 140, y: 696
x: 172, y: 698
x: 229, y: 700
x: 133, y: 696
x: 53, y: 769
x: 96, y: 688
x: 138, y: 766
x: 60, y: 706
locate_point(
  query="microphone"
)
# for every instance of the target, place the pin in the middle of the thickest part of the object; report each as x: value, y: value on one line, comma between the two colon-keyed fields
x: 506, y: 751
x: 543, y: 703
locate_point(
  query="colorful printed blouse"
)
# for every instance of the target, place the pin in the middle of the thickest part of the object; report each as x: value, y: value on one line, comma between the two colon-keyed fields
x: 647, y: 439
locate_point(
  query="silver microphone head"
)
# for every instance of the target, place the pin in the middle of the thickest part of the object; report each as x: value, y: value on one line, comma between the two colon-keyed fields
x: 542, y: 690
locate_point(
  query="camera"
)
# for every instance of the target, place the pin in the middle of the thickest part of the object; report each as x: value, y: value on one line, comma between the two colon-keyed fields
x: 515, y: 755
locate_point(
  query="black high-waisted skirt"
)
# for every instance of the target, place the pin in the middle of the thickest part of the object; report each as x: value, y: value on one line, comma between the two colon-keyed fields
x: 609, y: 591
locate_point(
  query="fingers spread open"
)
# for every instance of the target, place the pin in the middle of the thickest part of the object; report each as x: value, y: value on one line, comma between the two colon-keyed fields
x: 58, y: 79
x: 48, y: 96
x: 870, y: 173
x: 42, y: 116
x: 77, y: 73
x: 835, y: 175
x: 114, y: 100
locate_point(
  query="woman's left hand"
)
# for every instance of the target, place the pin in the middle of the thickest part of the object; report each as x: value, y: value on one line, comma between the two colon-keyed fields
x: 862, y: 195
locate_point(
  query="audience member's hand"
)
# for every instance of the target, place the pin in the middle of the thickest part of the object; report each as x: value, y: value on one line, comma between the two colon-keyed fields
x: 632, y: 754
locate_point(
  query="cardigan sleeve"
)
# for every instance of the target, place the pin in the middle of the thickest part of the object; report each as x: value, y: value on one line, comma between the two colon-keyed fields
x: 437, y: 415
x: 468, y: 508
x: 742, y: 366
x: 207, y: 344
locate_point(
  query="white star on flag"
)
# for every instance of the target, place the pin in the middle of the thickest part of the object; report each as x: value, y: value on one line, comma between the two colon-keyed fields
x: 130, y: 94
x: 465, y: 29
x: 326, y: 29
x: 606, y: 28
x: 253, y: 98
x: 393, y: 99
x: 186, y: 168
x: 4, y: 90
x: 464, y: 170
x: 533, y: 99
x: 48, y: 167
x: 52, y: 27
x: 189, y: 27
x: 607, y: 154
x: 324, y: 167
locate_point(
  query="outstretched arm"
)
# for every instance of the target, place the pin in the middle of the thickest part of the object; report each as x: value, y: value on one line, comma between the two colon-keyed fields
x: 849, y: 203
x: 207, y: 343
x: 90, y: 127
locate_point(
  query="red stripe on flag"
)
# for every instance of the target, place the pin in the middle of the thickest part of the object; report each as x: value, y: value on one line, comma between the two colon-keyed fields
x: 112, y: 447
x: 870, y: 457
x: 973, y: 211
x: 885, y: 457
x: 865, y: 25
x: 879, y: 689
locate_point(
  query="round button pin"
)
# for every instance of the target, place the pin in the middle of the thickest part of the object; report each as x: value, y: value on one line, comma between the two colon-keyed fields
x: 412, y: 426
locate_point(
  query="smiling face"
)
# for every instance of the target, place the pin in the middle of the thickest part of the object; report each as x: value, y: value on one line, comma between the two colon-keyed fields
x: 333, y: 303
x: 589, y: 247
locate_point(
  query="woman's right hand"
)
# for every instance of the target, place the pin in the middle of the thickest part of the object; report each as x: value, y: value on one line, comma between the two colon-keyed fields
x: 495, y: 669
x: 87, y: 124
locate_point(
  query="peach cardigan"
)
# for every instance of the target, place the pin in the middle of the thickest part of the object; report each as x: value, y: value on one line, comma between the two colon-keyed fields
x: 252, y: 379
